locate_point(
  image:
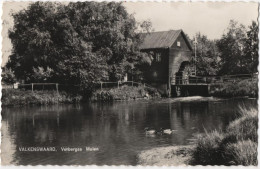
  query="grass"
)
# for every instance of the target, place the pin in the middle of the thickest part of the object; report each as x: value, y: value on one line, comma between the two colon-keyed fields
x: 16, y: 97
x: 241, y: 88
x: 124, y: 93
x: 237, y: 145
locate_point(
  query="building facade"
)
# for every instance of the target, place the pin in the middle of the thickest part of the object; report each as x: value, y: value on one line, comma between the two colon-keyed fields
x: 172, y: 53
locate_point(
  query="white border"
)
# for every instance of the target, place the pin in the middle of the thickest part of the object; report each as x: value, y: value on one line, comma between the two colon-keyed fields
x: 123, y: 166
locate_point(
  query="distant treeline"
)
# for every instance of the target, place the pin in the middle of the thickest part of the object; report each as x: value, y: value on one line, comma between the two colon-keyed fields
x: 236, y: 52
x: 86, y: 42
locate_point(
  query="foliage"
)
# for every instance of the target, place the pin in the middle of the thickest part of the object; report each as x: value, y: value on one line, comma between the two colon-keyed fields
x: 207, y: 55
x: 124, y: 93
x: 41, y: 75
x: 79, y: 43
x: 8, y: 76
x: 251, y: 48
x: 237, y: 145
x: 237, y: 88
x: 239, y: 49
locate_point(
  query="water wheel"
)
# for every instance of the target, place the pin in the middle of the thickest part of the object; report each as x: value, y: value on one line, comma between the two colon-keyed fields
x: 182, y: 76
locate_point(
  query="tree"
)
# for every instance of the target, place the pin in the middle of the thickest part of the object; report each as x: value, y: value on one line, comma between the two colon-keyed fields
x: 112, y: 32
x: 207, y: 55
x: 251, y: 48
x: 232, y: 49
x: 81, y: 43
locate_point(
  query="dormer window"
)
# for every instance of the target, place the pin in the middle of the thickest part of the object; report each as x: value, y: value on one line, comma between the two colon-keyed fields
x: 178, y: 43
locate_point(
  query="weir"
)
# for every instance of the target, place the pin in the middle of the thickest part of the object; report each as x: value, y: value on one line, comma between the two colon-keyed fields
x: 190, y: 90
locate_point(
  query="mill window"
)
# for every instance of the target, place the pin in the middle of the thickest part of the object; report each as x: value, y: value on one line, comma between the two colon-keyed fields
x: 158, y: 57
x: 179, y: 44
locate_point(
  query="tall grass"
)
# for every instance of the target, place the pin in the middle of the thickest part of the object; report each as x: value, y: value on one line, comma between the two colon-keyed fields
x: 242, y: 153
x: 207, y: 150
x: 236, y: 145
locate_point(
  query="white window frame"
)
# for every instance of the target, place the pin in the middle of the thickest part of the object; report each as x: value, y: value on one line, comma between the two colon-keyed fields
x: 178, y: 43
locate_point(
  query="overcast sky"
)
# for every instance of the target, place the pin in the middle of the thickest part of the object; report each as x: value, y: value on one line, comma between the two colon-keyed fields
x: 209, y: 18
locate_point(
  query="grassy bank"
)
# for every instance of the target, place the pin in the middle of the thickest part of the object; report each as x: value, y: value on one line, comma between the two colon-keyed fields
x: 125, y: 93
x: 236, y: 145
x: 241, y: 88
x: 16, y: 97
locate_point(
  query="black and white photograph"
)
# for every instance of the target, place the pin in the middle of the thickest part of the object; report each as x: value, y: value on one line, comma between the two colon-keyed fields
x: 129, y: 83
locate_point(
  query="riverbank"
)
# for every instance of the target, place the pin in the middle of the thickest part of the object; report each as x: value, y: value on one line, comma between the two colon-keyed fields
x: 125, y: 93
x: 17, y: 97
x: 236, y: 145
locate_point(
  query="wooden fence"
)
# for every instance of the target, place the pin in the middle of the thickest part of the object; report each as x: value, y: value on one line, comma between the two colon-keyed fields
x: 121, y: 83
x: 200, y: 80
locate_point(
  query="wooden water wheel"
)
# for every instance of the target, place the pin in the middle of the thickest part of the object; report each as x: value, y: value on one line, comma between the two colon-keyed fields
x: 182, y: 76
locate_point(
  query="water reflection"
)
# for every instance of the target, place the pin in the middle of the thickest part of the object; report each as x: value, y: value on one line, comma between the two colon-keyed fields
x: 117, y: 129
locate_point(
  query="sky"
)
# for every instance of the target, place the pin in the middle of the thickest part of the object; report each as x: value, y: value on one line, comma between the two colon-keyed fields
x: 208, y: 18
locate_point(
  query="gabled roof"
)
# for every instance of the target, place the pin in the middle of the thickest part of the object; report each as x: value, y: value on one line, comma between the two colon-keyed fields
x: 163, y: 39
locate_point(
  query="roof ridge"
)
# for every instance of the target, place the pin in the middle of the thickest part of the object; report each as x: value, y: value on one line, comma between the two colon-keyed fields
x: 166, y: 31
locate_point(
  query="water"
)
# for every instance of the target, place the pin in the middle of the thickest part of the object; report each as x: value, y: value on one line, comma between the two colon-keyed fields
x: 116, y: 129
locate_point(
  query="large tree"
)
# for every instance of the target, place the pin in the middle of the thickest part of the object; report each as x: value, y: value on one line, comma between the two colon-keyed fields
x: 232, y: 49
x: 79, y: 43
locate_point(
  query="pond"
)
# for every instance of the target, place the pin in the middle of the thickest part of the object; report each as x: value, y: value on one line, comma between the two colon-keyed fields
x: 108, y: 133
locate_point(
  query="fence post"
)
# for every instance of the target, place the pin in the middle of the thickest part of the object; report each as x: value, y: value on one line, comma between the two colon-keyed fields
x: 101, y: 85
x: 132, y: 83
x: 118, y: 84
x: 32, y: 87
x: 57, y: 88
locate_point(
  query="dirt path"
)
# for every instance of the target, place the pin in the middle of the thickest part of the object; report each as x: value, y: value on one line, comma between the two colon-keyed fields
x: 168, y: 156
